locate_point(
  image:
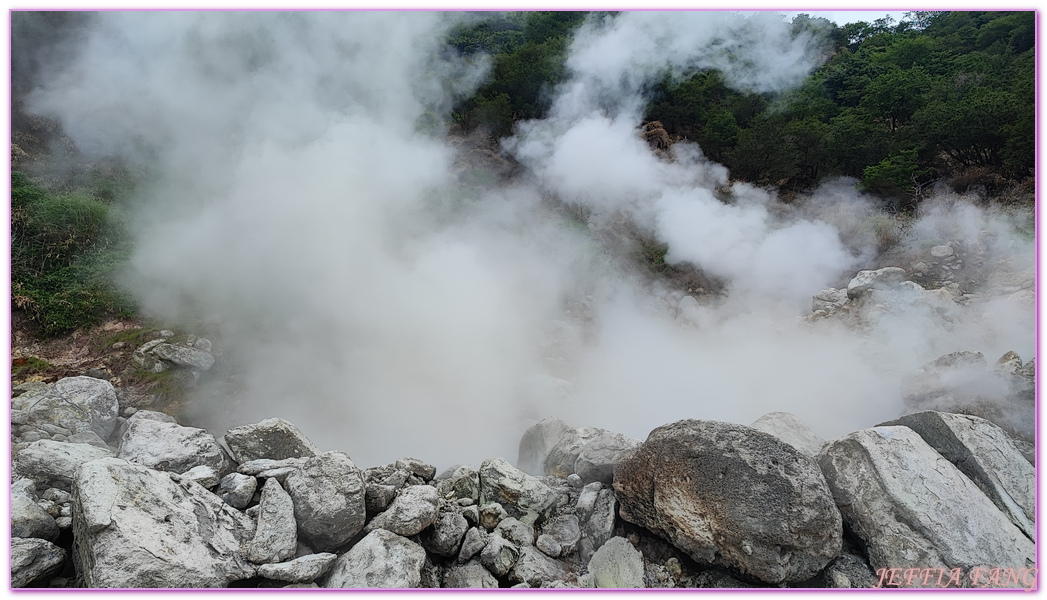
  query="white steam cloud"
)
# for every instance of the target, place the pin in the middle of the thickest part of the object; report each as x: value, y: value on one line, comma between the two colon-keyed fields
x: 299, y: 202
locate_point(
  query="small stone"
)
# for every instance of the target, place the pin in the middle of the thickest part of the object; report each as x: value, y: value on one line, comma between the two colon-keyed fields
x: 941, y: 251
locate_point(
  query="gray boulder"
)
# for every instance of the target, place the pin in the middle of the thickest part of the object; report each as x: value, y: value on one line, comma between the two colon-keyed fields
x: 205, y: 475
x: 181, y: 356
x: 499, y: 555
x: 136, y: 528
x: 880, y: 279
x: 34, y: 559
x: 730, y: 495
x: 617, y: 565
x: 28, y: 520
x: 534, y: 568
x: 148, y: 415
x: 566, y: 530
x: 381, y: 559
x: 597, y: 509
x: 791, y: 430
x: 445, y: 537
x: 516, y: 531
x: 414, y: 509
x: 237, y: 489
x: 75, y: 403
x: 984, y: 453
x: 170, y: 447
x: 328, y: 495
x: 537, y: 442
x: 474, y: 541
x: 276, y: 535
x: 460, y: 481
x: 53, y: 464
x: 300, y: 570
x: 523, y: 496
x: 469, y: 575
x: 590, y: 452
x: 274, y: 439
x: 914, y: 509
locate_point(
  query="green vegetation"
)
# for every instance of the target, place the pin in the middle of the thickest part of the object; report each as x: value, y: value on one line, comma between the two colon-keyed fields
x: 65, y: 248
x: 29, y: 365
x: 938, y: 96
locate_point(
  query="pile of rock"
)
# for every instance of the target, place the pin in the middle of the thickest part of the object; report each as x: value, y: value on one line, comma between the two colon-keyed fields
x: 145, y: 502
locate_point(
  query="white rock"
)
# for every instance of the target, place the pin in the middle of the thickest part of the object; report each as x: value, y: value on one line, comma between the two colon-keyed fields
x: 273, y: 439
x: 169, y: 447
x: 381, y: 559
x: 791, y: 430
x: 523, y: 496
x: 276, y: 535
x: 53, y: 464
x: 136, y: 528
x: 469, y: 575
x: 915, y: 509
x: 413, y: 510
x: 534, y: 568
x: 300, y: 570
x: 33, y: 559
x: 75, y: 403
x: 29, y: 520
x: 237, y: 489
x: 328, y: 495
x: 617, y: 565
x: 181, y: 356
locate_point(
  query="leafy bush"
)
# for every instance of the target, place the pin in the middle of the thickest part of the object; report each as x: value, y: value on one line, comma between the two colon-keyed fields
x: 64, y: 251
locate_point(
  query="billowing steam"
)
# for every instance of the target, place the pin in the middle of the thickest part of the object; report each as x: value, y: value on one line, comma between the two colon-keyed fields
x: 304, y: 198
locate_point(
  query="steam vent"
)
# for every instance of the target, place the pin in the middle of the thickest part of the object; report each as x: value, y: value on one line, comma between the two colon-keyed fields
x: 525, y: 299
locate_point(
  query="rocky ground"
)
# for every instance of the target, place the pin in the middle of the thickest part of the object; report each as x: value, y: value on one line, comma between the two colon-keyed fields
x: 110, y: 489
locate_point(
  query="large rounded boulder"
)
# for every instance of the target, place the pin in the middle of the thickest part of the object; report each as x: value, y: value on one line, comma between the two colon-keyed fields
x: 733, y: 496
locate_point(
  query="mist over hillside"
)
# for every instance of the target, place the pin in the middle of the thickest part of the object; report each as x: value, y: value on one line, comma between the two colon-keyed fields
x: 305, y: 194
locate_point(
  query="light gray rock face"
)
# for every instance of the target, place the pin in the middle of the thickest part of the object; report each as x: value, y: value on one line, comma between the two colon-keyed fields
x: 416, y: 467
x: 414, y: 509
x: 566, y: 530
x: 381, y: 559
x: 148, y: 415
x: 552, y: 447
x: 53, y: 464
x: 237, y: 489
x: 136, y: 528
x: 828, y: 300
x: 473, y: 542
x: 590, y: 452
x: 328, y: 495
x: 461, y: 481
x: 499, y: 555
x: 445, y: 537
x: 548, y: 545
x: 915, y: 509
x: 886, y: 278
x: 33, y: 559
x: 28, y: 520
x: 300, y: 570
x: 523, y: 496
x: 597, y: 509
x: 90, y: 438
x: 469, y: 575
x: 170, y: 447
x: 274, y: 439
x: 791, y: 430
x: 537, y: 442
x: 516, y: 531
x: 75, y: 403
x: 617, y: 565
x: 181, y: 356
x: 730, y: 495
x: 276, y: 535
x: 204, y: 475
x: 535, y: 568
x: 984, y: 453
x: 491, y: 514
